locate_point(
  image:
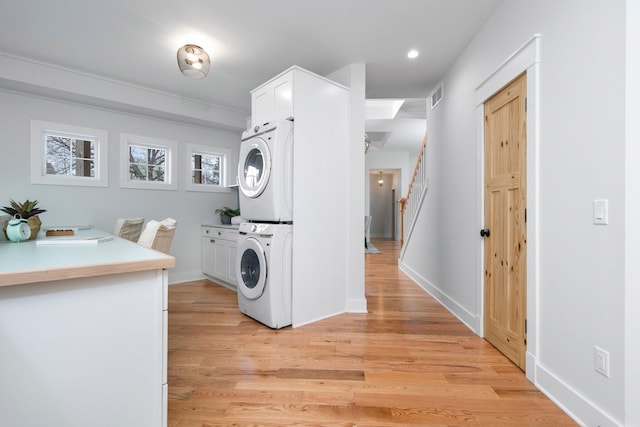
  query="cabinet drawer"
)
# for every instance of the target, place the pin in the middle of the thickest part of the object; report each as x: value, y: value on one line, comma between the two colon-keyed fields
x: 220, y: 233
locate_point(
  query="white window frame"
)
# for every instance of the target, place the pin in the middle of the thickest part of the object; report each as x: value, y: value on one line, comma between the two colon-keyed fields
x: 38, y: 130
x: 225, y: 153
x: 171, y: 161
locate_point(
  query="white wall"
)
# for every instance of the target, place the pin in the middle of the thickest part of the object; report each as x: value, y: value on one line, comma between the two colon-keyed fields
x: 632, y: 234
x: 320, y: 240
x: 354, y: 77
x: 582, y: 147
x: 100, y: 207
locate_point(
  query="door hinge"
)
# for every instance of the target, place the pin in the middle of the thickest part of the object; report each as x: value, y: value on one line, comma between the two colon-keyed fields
x: 525, y: 326
x: 525, y: 104
x: 525, y: 214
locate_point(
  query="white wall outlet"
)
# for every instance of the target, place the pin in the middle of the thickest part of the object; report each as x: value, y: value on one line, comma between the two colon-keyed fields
x: 601, y: 361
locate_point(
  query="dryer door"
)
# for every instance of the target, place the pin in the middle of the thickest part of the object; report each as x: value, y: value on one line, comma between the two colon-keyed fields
x: 251, y: 268
x: 254, y: 166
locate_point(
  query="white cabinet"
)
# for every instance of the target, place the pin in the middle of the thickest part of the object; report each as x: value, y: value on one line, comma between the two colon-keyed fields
x: 219, y: 246
x: 273, y: 100
x: 322, y: 142
x: 86, y: 343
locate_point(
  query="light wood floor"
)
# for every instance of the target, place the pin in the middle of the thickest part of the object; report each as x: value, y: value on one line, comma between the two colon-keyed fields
x: 406, y: 362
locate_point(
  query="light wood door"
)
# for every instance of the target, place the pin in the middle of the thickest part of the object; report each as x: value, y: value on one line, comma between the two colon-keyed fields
x: 505, y: 219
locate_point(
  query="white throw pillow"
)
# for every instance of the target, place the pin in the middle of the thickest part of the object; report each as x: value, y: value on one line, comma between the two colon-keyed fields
x: 149, y: 233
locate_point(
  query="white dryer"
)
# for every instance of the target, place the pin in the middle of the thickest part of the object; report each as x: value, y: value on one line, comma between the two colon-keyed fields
x: 263, y: 270
x: 265, y: 173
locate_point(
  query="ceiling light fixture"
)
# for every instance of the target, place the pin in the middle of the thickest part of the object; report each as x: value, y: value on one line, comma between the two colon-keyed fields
x: 193, y: 61
x: 412, y: 54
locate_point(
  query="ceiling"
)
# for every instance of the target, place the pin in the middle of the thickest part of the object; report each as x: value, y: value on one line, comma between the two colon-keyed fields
x: 249, y: 41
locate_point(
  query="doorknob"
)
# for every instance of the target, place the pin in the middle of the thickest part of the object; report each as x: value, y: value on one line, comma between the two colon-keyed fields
x: 485, y: 232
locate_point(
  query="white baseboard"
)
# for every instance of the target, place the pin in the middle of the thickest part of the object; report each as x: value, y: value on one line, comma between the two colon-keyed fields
x: 192, y: 276
x: 450, y: 304
x: 357, y: 305
x: 188, y: 276
x: 297, y: 325
x: 578, y: 407
x: 583, y: 411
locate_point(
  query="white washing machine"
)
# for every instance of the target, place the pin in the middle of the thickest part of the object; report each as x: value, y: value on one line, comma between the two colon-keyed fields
x: 265, y: 173
x: 263, y: 270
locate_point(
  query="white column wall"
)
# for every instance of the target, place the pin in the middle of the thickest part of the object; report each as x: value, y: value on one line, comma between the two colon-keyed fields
x: 354, y: 77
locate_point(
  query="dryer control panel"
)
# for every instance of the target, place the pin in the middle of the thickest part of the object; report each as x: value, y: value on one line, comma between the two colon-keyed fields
x: 256, y: 228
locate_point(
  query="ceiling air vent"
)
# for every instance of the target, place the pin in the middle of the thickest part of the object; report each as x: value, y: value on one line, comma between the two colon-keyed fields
x: 436, y: 96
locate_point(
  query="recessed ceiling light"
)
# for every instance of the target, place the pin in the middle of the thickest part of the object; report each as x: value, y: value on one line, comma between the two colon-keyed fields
x: 412, y: 54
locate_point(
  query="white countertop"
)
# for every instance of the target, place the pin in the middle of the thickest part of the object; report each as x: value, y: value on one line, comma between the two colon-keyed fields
x: 28, y: 262
x: 230, y: 226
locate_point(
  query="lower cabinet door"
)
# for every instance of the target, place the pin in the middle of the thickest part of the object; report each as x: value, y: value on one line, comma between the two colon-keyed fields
x: 207, y: 254
x: 231, y: 266
x: 219, y: 256
x: 220, y: 259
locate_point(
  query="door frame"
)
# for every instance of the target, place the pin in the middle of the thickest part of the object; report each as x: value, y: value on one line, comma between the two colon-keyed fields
x: 396, y: 175
x: 525, y: 58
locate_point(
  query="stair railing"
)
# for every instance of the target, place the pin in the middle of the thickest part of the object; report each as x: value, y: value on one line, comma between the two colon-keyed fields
x: 410, y: 204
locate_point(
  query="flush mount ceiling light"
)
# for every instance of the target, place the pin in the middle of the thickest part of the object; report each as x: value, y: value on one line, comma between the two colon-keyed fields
x: 412, y: 54
x: 193, y: 61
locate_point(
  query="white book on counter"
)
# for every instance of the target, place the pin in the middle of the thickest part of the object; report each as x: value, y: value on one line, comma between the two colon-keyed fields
x: 73, y: 240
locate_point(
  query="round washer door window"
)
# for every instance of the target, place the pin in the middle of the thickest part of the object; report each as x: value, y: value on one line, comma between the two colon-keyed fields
x: 251, y: 268
x: 254, y: 167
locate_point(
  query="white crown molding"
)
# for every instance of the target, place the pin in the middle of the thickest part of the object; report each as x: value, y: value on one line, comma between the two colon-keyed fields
x: 26, y: 75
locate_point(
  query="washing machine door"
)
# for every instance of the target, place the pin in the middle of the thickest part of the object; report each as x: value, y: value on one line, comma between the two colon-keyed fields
x: 251, y: 269
x: 254, y: 167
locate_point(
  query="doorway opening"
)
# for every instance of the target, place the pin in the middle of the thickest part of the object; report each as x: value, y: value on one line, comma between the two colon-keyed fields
x: 383, y: 203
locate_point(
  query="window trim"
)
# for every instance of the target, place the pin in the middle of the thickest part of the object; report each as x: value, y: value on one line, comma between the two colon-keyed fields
x: 225, y: 153
x: 171, y: 161
x: 38, y: 154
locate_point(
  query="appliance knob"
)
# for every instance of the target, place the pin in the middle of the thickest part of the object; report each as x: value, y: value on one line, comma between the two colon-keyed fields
x: 256, y: 129
x: 254, y: 227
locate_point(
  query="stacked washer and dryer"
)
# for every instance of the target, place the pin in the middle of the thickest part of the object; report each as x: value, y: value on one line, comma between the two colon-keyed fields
x: 263, y: 262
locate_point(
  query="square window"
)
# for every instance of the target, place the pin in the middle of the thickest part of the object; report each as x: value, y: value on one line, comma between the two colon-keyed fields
x: 207, y: 168
x: 68, y: 155
x: 147, y: 163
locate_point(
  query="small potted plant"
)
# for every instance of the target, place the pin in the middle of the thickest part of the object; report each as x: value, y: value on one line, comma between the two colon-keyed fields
x: 26, y: 210
x: 226, y: 214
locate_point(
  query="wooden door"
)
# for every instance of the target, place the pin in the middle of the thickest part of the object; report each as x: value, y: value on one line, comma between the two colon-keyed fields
x: 505, y: 219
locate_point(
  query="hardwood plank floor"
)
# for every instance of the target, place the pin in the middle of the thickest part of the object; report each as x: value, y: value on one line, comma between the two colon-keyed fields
x: 408, y: 361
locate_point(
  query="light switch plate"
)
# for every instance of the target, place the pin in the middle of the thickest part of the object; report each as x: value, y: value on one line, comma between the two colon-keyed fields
x: 601, y: 211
